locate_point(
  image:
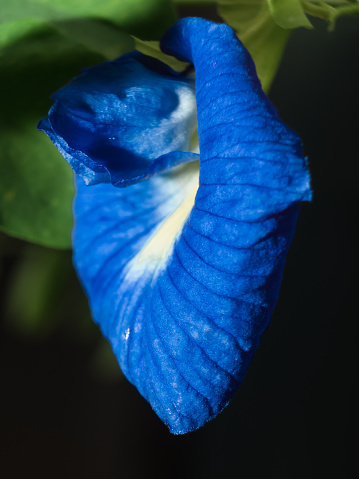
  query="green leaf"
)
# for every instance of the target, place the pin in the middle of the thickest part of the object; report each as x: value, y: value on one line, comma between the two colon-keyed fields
x: 195, y: 2
x: 100, y: 37
x: 35, y: 190
x: 258, y: 31
x: 152, y: 49
x: 36, y: 185
x: 10, y: 32
x: 96, y: 35
x: 151, y: 15
x: 289, y: 13
x: 100, y: 26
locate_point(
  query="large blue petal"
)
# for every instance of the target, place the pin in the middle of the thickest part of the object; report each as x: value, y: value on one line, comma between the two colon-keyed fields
x: 183, y: 279
x: 124, y: 121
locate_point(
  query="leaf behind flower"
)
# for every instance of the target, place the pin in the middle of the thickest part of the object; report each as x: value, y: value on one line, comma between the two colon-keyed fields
x: 258, y: 31
x: 152, y: 49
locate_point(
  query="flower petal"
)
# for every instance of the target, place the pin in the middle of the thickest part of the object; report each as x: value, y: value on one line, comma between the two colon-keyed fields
x: 124, y: 121
x: 182, y: 281
x: 241, y: 137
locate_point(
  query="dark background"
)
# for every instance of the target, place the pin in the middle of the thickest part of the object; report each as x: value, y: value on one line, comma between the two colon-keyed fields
x: 65, y: 409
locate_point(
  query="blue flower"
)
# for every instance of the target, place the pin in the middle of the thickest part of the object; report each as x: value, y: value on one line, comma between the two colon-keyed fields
x: 181, y: 278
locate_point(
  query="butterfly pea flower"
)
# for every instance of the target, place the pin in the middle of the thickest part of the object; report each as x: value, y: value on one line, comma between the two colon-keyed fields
x: 181, y: 260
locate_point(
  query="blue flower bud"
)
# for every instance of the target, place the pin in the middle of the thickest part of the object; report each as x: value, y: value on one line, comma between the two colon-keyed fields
x: 182, y: 270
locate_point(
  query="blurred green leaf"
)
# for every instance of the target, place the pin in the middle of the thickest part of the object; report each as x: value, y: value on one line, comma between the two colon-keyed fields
x: 289, y: 13
x: 145, y: 16
x: 42, y: 295
x: 33, y: 290
x: 100, y: 37
x: 36, y: 185
x: 196, y: 3
x: 13, y: 31
x: 258, y: 31
x: 35, y: 189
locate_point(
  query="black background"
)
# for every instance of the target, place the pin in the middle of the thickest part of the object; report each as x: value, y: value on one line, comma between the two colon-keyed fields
x: 295, y: 414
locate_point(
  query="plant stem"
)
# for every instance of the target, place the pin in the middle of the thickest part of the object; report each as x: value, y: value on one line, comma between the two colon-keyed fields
x: 327, y: 10
x: 317, y: 10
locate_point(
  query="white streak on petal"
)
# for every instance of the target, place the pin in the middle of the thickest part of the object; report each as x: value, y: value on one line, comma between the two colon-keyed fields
x: 159, y: 246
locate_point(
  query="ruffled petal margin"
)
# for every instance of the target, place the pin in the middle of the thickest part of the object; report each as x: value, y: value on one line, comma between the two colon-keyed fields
x: 124, y: 121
